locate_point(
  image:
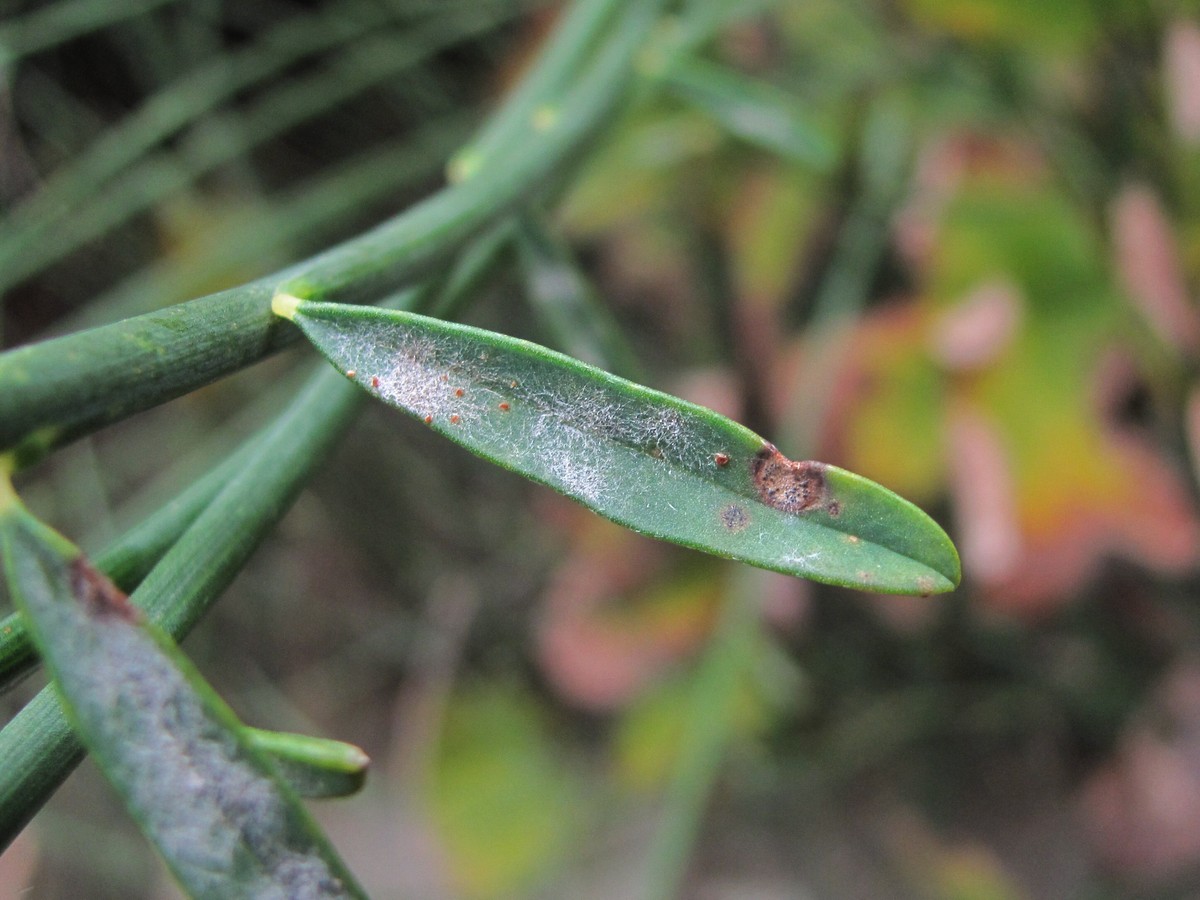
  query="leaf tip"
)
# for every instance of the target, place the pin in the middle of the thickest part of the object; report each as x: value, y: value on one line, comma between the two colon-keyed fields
x: 285, y: 305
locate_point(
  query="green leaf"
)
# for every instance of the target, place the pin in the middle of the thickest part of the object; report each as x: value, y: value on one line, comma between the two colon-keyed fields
x: 755, y: 111
x: 644, y: 459
x: 213, y: 805
x: 565, y: 302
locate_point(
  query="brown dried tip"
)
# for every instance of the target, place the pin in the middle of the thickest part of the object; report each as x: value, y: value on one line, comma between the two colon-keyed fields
x: 100, y: 596
x: 793, y: 487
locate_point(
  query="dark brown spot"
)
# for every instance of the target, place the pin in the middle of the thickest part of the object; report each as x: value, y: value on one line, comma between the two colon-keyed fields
x: 833, y: 508
x: 656, y: 452
x: 458, y: 392
x: 429, y: 420
x: 721, y: 459
x: 734, y: 518
x: 100, y: 596
x: 793, y: 487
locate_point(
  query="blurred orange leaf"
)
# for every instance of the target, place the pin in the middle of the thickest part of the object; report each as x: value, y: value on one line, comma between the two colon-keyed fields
x: 1004, y: 384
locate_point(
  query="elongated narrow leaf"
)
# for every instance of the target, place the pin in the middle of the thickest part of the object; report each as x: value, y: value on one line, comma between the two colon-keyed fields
x: 644, y: 459
x: 565, y: 302
x: 178, y: 756
x: 755, y: 111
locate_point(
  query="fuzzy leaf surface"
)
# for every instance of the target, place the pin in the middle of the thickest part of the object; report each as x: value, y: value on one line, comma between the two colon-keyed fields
x: 644, y: 459
x: 223, y: 822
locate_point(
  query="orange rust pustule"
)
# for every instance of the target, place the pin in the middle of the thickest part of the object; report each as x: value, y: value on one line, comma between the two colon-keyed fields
x: 793, y: 487
x: 97, y: 594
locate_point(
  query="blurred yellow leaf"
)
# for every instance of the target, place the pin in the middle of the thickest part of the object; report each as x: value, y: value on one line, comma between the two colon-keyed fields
x: 506, y: 806
x: 1070, y: 24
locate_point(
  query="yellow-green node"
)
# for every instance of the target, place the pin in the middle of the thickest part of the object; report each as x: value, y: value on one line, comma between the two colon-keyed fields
x: 544, y: 118
x: 285, y: 306
x: 463, y: 165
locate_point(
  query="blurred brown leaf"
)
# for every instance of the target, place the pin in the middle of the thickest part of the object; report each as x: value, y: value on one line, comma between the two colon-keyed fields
x: 615, y: 617
x: 1150, y: 269
x: 1142, y: 807
x: 1181, y: 73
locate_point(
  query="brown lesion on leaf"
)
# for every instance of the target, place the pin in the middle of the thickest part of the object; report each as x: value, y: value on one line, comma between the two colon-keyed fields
x: 99, y: 596
x: 793, y: 487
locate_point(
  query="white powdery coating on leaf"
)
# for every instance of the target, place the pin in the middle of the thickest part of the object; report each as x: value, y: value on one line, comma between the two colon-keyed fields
x: 185, y: 774
x: 572, y: 472
x: 547, y: 420
x: 415, y: 379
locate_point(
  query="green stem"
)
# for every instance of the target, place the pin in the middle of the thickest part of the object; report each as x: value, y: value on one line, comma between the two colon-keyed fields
x: 60, y: 22
x: 257, y: 485
x: 886, y: 159
x: 708, y: 732
x: 300, y: 218
x: 174, y: 107
x: 127, y: 560
x: 60, y: 389
x: 414, y: 242
x: 566, y: 305
x: 574, y: 37
x: 71, y: 212
x: 189, y: 577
